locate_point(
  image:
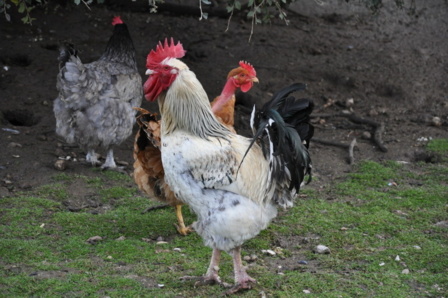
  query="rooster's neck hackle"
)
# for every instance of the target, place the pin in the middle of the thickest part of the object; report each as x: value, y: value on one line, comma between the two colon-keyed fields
x: 185, y: 106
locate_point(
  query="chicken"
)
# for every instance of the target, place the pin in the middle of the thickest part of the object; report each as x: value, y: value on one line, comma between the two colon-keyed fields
x: 148, y: 168
x: 233, y: 184
x: 94, y: 108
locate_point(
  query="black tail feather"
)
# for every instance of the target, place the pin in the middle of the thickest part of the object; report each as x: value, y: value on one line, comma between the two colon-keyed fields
x: 283, y: 130
x: 66, y: 50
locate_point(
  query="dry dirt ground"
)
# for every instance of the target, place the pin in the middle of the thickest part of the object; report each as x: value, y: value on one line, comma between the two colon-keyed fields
x: 389, y: 68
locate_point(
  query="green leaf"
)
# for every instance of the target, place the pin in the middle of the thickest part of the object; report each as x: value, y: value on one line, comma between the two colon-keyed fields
x: 22, y: 7
x: 238, y: 5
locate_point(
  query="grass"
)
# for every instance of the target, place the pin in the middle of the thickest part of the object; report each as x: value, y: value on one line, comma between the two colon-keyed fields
x: 380, y: 211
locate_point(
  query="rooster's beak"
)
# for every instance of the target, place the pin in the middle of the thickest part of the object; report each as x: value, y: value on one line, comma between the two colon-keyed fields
x: 149, y: 72
x: 255, y: 80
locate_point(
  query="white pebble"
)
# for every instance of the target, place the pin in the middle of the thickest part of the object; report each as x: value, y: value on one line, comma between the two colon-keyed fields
x: 405, y: 271
x: 397, y: 258
x: 269, y: 252
x: 322, y: 249
x: 382, y: 264
x: 307, y: 291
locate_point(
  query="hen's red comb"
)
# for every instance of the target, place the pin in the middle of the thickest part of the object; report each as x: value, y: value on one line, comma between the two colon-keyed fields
x: 164, y: 51
x: 247, y: 66
x: 117, y: 20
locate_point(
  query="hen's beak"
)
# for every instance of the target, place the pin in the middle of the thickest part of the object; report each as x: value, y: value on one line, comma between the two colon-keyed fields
x: 150, y: 72
x: 255, y: 80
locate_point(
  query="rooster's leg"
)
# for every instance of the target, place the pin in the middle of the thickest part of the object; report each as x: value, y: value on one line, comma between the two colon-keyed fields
x: 91, y: 157
x: 181, y: 228
x: 109, y: 163
x: 242, y: 279
x: 211, y: 277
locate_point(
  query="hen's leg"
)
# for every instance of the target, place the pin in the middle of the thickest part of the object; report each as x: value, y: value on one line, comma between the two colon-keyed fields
x: 181, y: 228
x: 91, y: 157
x: 242, y: 279
x: 109, y: 163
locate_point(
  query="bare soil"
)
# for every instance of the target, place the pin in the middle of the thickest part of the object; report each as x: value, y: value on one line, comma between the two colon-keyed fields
x: 390, y: 68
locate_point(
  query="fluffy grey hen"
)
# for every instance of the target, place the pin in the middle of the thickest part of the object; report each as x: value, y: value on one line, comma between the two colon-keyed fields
x: 94, y: 106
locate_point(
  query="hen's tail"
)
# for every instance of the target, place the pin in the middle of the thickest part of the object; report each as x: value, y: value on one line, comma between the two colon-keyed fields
x: 66, y: 50
x: 283, y: 129
x: 149, y: 129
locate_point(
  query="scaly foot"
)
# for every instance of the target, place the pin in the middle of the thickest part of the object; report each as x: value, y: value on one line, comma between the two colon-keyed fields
x: 183, y: 230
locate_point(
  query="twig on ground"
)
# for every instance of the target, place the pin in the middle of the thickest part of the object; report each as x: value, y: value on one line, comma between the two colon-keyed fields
x: 350, y: 147
x: 155, y: 208
x: 351, y: 157
x: 378, y: 128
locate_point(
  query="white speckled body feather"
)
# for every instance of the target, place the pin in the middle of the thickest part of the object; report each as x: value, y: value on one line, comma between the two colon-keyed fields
x: 230, y: 203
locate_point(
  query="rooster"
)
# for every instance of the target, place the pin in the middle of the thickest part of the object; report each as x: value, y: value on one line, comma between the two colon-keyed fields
x: 232, y: 183
x: 94, y: 106
x: 148, y: 168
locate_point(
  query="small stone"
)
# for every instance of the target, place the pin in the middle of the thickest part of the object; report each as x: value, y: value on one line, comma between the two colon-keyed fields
x: 303, y: 262
x: 366, y: 135
x: 397, y: 258
x: 417, y: 247
x: 268, y: 252
x: 373, y: 112
x: 60, y: 165
x: 247, y: 258
x: 14, y: 145
x: 322, y: 249
x: 109, y: 257
x: 161, y: 242
x: 382, y: 264
x: 436, y: 121
x: 349, y: 102
x: 94, y: 239
x: 307, y: 291
x: 121, y: 238
x: 405, y: 271
x: 160, y: 238
x: 177, y: 249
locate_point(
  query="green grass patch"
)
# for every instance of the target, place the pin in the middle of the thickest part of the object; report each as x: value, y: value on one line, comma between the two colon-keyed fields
x: 379, y: 212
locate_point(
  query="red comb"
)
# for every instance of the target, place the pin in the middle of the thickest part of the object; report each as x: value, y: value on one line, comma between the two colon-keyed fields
x: 164, y: 51
x: 117, y: 20
x: 247, y: 66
